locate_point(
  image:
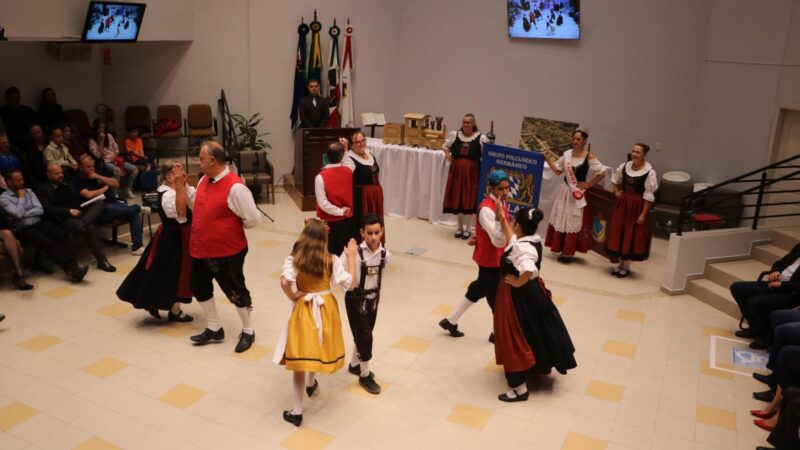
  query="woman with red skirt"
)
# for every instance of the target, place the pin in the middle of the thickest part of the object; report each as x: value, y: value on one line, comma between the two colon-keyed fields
x: 635, y: 183
x: 367, y: 191
x: 463, y: 149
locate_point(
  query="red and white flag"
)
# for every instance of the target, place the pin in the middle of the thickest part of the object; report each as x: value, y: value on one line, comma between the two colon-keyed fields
x: 346, y: 84
x: 333, y: 77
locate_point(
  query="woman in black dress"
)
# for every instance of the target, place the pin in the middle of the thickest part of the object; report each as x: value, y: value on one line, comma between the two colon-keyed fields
x: 160, y: 281
x: 367, y: 191
x: 530, y: 336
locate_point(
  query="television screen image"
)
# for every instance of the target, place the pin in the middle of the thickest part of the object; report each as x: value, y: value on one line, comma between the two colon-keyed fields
x: 113, y: 22
x: 544, y: 19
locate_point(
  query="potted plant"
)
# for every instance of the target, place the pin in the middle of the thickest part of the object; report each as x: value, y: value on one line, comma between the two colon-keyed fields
x: 248, y: 136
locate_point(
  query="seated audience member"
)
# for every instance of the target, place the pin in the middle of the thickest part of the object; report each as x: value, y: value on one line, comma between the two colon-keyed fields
x: 13, y: 253
x: 73, y: 142
x: 32, y: 157
x: 134, y: 150
x: 57, y: 152
x: 757, y: 299
x: 89, y: 184
x: 50, y: 112
x: 8, y: 159
x: 22, y: 208
x: 786, y: 434
x: 104, y: 146
x: 17, y: 117
x: 62, y: 205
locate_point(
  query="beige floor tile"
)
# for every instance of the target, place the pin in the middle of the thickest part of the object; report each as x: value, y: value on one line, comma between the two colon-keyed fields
x: 592, y: 426
x: 631, y: 316
x: 576, y: 441
x: 116, y: 309
x: 716, y: 331
x: 412, y: 344
x: 715, y: 436
x: 182, y: 396
x: 635, y: 417
x: 307, y: 439
x: 705, y: 369
x: 618, y: 348
x: 105, y: 367
x: 605, y: 391
x: 716, y: 417
x: 442, y: 310
x: 60, y: 292
x: 180, y: 330
x: 268, y: 243
x: 469, y: 415
x: 14, y: 414
x: 40, y: 342
x: 631, y: 437
x: 506, y: 425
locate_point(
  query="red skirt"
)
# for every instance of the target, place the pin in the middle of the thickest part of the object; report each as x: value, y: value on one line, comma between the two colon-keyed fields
x: 568, y: 243
x: 627, y: 239
x: 461, y: 191
x: 511, y: 349
x: 371, y: 203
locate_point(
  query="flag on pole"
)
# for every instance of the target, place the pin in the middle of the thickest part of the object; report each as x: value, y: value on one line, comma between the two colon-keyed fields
x: 333, y: 77
x: 299, y: 72
x: 346, y: 84
x: 315, y: 57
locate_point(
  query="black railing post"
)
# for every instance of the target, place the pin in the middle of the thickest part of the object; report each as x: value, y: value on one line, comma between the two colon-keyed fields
x: 681, y: 216
x: 759, y: 199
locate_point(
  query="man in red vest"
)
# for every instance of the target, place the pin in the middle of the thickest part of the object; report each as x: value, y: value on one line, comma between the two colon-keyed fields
x: 333, y: 188
x: 223, y: 208
x: 489, y: 244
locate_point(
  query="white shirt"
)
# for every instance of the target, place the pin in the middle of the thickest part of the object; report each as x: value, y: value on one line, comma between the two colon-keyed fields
x: 372, y: 259
x: 451, y: 137
x: 168, y: 201
x: 322, y: 198
x: 788, y: 272
x: 594, y: 164
x: 340, y: 276
x: 524, y: 256
x: 240, y: 202
x: 650, y: 184
x: 348, y: 162
x: 489, y: 222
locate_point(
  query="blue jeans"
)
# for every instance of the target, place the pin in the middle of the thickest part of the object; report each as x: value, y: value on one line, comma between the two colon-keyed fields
x: 128, y: 177
x: 132, y: 212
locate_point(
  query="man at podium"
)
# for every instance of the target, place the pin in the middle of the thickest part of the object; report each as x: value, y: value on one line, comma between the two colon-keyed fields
x: 313, y: 108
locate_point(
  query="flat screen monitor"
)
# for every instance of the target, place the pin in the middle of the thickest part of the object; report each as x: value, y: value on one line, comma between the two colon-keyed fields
x: 544, y: 19
x: 113, y: 22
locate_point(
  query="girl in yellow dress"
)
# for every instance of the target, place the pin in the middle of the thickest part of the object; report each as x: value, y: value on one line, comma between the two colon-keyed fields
x: 312, y: 340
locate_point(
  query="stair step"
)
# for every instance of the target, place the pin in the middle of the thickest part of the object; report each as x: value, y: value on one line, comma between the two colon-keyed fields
x: 768, y: 253
x: 714, y: 295
x: 726, y: 273
x: 786, y: 238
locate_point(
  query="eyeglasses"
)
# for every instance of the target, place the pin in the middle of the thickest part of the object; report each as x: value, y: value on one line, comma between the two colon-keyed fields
x: 360, y: 142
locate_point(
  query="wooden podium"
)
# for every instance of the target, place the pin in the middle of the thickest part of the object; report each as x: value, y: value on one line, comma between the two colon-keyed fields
x: 309, y: 146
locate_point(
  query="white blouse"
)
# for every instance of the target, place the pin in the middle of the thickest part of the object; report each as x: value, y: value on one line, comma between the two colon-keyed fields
x: 650, y: 184
x: 168, y: 201
x: 451, y: 137
x: 340, y: 276
x: 347, y: 162
x: 594, y: 164
x: 523, y: 255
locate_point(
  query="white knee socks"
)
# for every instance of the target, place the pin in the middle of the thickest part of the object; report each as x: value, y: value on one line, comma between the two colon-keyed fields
x: 364, y: 368
x: 299, y: 384
x: 212, y: 317
x: 355, y: 360
x: 244, y: 314
x: 459, y: 311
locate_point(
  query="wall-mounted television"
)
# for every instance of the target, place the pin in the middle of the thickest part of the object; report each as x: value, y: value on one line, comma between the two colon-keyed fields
x: 544, y: 19
x: 113, y: 22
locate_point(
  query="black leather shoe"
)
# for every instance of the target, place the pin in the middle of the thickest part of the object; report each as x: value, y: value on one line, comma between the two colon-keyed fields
x: 311, y: 389
x: 179, y: 318
x: 764, y: 448
x: 518, y: 398
x: 465, y: 235
x: 355, y: 370
x: 155, y: 313
x: 746, y: 334
x: 458, y: 233
x: 208, y: 336
x: 491, y: 338
x: 766, y: 379
x: 76, y: 273
x: 294, y: 419
x: 451, y: 328
x: 2, y: 317
x: 369, y: 384
x: 758, y: 344
x: 106, y: 266
x: 764, y: 396
x: 245, y: 342
x: 21, y: 283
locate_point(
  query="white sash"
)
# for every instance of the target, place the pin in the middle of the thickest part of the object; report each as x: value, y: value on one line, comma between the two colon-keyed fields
x: 317, y: 300
x: 577, y: 193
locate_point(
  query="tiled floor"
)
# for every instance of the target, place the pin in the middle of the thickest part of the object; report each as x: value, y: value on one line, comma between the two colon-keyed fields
x: 80, y: 369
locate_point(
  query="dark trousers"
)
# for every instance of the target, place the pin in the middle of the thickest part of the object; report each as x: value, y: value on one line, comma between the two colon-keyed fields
x: 783, y: 336
x: 517, y: 379
x: 340, y: 234
x: 84, y: 226
x: 756, y: 301
x: 133, y: 213
x: 786, y: 435
x: 484, y: 286
x: 362, y: 322
x: 51, y: 240
x: 228, y: 272
x: 788, y: 367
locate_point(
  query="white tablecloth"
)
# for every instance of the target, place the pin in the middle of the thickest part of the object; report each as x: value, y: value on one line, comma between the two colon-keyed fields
x: 413, y: 181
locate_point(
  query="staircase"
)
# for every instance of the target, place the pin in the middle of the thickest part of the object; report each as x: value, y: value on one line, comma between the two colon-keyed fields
x: 713, y: 286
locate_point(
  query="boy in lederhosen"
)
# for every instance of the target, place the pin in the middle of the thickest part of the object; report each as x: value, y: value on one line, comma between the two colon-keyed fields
x: 362, y: 302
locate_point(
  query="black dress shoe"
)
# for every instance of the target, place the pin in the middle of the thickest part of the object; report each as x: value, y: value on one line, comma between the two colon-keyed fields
x: 76, y: 273
x: 766, y: 379
x: 759, y: 344
x: 764, y: 448
x: 295, y: 419
x: 21, y: 283
x: 518, y: 398
x: 245, y: 341
x: 208, y: 336
x: 746, y: 334
x: 491, y: 338
x: 764, y: 396
x: 458, y: 233
x: 311, y: 389
x: 106, y: 266
x: 451, y: 328
x: 2, y: 317
x: 369, y: 384
x: 466, y: 235
x: 183, y: 317
x: 355, y: 370
x: 155, y: 313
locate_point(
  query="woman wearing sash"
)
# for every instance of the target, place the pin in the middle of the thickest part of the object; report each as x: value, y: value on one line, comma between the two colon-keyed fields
x: 463, y: 149
x: 367, y: 191
x: 570, y: 221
